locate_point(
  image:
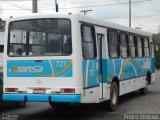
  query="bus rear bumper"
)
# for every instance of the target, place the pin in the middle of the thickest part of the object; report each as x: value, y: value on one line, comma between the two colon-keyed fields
x: 76, y: 98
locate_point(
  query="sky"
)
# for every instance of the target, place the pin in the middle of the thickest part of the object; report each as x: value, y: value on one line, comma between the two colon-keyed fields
x: 145, y: 13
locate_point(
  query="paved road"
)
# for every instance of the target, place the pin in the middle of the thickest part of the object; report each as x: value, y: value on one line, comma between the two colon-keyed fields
x: 132, y: 103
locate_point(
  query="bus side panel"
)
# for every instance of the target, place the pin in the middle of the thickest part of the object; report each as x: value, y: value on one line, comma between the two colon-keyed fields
x: 90, y: 73
x: 126, y: 68
x: 130, y: 72
x: 90, y: 81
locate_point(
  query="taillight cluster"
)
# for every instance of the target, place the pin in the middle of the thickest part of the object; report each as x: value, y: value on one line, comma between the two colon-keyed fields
x: 11, y: 89
x: 67, y: 90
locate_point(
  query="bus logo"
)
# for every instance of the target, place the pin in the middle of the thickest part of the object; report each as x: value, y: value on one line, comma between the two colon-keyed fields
x: 30, y: 69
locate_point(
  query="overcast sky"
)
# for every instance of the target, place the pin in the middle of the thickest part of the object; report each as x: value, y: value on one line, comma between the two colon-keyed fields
x: 145, y: 13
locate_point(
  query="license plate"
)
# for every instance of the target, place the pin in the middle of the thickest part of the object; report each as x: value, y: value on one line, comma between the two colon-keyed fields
x: 39, y: 91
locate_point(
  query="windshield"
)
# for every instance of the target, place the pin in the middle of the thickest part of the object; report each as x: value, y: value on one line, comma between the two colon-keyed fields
x: 40, y: 37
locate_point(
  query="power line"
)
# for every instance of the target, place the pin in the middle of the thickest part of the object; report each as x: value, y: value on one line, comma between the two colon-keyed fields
x: 145, y: 16
x: 132, y: 17
x: 17, y: 9
x: 22, y: 7
x: 15, y: 0
x: 18, y: 6
x: 53, y: 2
x: 105, y: 5
x: 85, y: 1
x: 91, y: 1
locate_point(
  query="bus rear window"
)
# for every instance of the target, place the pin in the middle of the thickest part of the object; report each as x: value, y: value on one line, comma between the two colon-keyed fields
x: 40, y: 37
x: 1, y: 48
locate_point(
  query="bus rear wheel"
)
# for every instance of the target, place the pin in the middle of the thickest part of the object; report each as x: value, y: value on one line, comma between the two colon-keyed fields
x: 113, y: 102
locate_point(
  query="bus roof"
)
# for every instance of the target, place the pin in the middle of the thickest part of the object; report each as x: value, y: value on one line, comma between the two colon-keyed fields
x: 82, y: 18
x: 112, y: 25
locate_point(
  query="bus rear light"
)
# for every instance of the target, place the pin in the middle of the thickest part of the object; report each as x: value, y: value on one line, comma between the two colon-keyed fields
x: 11, y: 89
x: 67, y: 90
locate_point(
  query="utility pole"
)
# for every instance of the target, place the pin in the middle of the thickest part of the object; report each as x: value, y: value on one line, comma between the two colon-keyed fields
x: 56, y: 5
x: 129, y: 13
x: 34, y: 6
x: 85, y: 11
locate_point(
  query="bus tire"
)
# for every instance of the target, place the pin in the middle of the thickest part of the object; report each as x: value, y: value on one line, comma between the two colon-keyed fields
x: 148, y: 78
x: 21, y: 104
x: 144, y: 90
x: 112, y: 104
x: 58, y: 104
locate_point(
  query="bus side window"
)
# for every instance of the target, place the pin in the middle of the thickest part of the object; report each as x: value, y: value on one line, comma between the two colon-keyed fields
x: 139, y: 46
x: 152, y: 49
x: 132, y: 50
x: 123, y: 45
x: 113, y: 43
x: 146, y: 47
x: 88, y: 42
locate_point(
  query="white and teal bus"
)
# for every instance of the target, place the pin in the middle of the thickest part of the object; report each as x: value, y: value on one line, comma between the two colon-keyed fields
x: 63, y: 59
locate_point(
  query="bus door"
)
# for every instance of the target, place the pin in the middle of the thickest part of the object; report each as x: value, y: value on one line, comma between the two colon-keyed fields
x: 101, y: 52
x: 99, y: 42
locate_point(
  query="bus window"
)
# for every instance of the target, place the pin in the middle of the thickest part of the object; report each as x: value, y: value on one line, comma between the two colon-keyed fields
x: 54, y: 43
x: 113, y: 43
x: 131, y: 46
x: 67, y: 44
x: 146, y: 47
x: 1, y: 48
x: 139, y: 46
x: 123, y: 45
x: 88, y: 42
x: 40, y: 37
x: 17, y: 42
x: 152, y: 49
x: 36, y: 43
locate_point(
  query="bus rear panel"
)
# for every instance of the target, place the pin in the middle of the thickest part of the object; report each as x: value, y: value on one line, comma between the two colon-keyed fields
x: 40, y: 61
